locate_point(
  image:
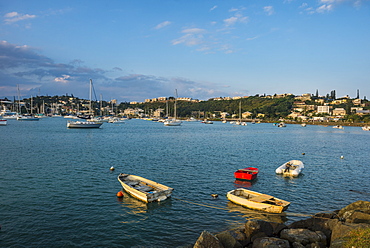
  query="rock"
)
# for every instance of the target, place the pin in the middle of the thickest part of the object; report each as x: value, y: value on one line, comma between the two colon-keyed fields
x: 317, y: 223
x: 207, y: 240
x: 228, y: 240
x: 262, y: 228
x: 303, y: 236
x: 340, y: 230
x: 270, y: 243
x: 361, y: 206
x: 356, y: 216
x: 298, y: 245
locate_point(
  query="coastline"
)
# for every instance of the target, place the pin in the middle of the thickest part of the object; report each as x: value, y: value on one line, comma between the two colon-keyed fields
x: 334, y: 229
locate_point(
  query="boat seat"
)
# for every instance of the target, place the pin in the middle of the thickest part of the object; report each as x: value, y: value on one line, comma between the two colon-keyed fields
x: 132, y: 183
x: 144, y: 188
x: 261, y: 198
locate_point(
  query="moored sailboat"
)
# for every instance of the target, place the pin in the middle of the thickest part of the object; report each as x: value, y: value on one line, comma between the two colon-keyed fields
x: 85, y: 124
x: 174, y: 121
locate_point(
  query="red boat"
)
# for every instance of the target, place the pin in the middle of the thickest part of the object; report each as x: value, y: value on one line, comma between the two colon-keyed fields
x: 248, y: 173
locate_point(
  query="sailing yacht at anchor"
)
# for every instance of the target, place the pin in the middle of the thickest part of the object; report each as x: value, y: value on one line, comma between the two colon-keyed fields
x: 85, y: 124
x: 173, y: 121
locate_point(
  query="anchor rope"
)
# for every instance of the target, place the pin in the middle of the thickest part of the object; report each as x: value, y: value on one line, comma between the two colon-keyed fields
x: 224, y: 208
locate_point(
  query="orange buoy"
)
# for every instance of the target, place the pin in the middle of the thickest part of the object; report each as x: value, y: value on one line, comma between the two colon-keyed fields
x: 119, y: 194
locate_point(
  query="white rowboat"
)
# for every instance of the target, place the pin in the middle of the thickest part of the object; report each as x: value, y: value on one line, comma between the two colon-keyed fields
x: 144, y: 189
x: 257, y: 201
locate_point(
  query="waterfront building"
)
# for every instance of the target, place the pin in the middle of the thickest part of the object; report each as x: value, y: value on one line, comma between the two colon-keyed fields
x: 323, y: 109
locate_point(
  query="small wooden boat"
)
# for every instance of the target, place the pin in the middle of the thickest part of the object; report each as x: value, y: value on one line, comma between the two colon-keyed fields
x: 144, y: 189
x: 257, y: 201
x: 291, y: 168
x: 248, y: 173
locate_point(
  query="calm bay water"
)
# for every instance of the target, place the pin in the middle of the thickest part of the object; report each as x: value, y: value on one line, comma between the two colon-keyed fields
x: 56, y: 189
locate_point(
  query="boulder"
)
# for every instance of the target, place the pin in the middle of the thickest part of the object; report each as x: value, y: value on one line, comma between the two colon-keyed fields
x: 206, y: 240
x: 262, y: 228
x: 270, y: 242
x: 361, y: 206
x: 228, y: 240
x: 356, y: 216
x: 303, y: 236
x: 317, y: 223
x: 342, y: 229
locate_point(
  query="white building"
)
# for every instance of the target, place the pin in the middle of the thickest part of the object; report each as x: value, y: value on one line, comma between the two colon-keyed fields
x: 323, y: 109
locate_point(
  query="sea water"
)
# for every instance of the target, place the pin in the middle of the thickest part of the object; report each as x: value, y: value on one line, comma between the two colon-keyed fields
x: 57, y: 189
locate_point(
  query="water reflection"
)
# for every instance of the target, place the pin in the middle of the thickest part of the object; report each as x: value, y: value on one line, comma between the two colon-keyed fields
x: 250, y: 214
x: 244, y: 183
x: 135, y: 206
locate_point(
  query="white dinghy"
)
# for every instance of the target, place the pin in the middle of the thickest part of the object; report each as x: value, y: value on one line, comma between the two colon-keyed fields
x: 291, y: 168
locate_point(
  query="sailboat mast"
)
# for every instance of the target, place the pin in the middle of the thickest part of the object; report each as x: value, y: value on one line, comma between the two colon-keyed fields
x: 240, y: 111
x: 175, y: 103
x: 90, y: 107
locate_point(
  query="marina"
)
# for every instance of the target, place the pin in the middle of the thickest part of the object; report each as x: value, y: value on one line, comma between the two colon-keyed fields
x: 67, y: 195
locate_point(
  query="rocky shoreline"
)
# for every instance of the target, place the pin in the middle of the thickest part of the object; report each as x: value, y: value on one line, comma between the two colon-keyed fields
x: 321, y: 230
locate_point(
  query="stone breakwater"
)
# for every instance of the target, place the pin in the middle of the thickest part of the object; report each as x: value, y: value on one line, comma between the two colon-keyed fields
x: 322, y: 230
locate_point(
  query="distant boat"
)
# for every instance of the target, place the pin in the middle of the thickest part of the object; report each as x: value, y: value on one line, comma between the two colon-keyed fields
x: 338, y: 127
x: 192, y: 119
x: 116, y: 120
x: 7, y: 114
x: 303, y: 124
x: 281, y: 124
x: 144, y: 189
x: 207, y: 121
x: 27, y: 118
x: 248, y: 173
x: 3, y: 122
x: 291, y: 168
x: 85, y: 124
x: 257, y: 201
x: 240, y: 122
x: 173, y: 121
x: 366, y: 128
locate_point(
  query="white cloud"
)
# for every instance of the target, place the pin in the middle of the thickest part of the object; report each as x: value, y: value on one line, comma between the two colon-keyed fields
x: 213, y: 8
x: 324, y: 8
x: 269, y: 10
x: 62, y: 79
x: 237, y: 18
x: 13, y: 17
x: 193, y: 31
x: 162, y: 25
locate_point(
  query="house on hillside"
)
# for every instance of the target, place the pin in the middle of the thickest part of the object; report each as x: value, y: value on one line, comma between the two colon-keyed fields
x: 339, y: 111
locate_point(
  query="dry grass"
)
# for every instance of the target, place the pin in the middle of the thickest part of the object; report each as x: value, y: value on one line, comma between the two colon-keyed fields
x: 358, y: 238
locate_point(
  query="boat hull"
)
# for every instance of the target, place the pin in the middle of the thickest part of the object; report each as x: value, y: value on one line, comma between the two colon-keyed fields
x: 83, y: 124
x: 254, y: 200
x: 249, y: 173
x: 144, y: 189
x: 294, y: 170
x: 172, y: 123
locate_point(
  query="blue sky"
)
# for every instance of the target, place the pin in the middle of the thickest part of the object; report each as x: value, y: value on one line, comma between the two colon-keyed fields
x: 138, y: 49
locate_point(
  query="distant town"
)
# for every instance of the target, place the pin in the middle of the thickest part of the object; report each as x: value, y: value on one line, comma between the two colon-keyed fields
x: 302, y: 108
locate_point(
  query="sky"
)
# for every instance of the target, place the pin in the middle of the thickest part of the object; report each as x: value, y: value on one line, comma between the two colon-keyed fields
x: 139, y: 49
